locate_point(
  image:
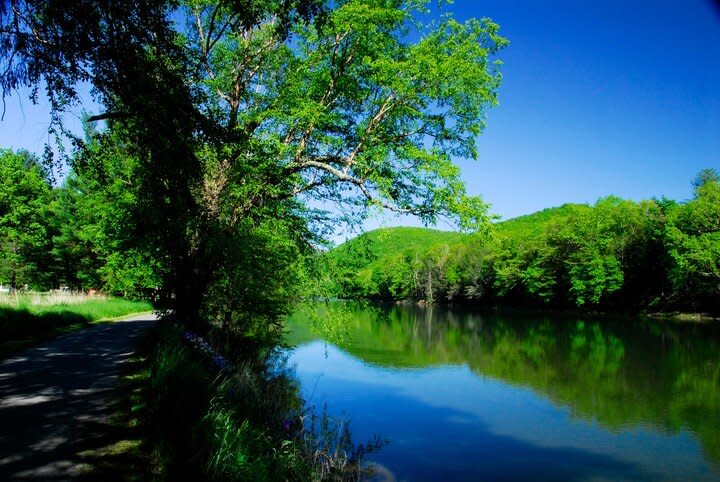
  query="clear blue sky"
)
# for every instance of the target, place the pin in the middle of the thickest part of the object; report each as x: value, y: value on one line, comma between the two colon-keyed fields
x: 598, y: 98
x: 612, y: 97
x: 609, y: 97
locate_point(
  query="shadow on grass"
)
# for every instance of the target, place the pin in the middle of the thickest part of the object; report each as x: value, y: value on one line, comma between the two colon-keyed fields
x: 118, y: 449
x: 21, y: 328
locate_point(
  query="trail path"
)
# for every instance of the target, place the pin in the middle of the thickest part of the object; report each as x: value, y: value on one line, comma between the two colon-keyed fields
x: 55, y: 398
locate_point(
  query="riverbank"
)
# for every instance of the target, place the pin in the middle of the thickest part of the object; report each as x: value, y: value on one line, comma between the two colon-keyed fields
x: 204, y: 418
x: 684, y: 317
x: 667, y: 316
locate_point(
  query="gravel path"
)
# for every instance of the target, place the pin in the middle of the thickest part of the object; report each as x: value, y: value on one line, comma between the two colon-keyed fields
x: 55, y: 398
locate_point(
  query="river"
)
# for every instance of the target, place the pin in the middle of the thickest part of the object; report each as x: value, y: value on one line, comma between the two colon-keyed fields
x: 463, y: 395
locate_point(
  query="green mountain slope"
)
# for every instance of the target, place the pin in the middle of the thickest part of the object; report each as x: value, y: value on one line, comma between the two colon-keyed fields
x: 534, y: 224
x: 388, y: 242
x: 614, y: 254
x: 374, y: 246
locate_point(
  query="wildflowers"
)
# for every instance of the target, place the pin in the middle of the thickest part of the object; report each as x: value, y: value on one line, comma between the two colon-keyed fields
x: 201, y: 344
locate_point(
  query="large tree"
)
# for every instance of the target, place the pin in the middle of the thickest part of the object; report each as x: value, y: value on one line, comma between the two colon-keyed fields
x: 97, y: 244
x: 693, y: 242
x: 24, y: 237
x: 240, y: 111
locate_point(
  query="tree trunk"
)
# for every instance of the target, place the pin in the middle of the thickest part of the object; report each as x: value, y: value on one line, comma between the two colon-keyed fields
x: 189, y: 291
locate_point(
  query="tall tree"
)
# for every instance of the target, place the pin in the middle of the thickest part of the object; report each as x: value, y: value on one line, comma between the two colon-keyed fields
x: 241, y: 111
x: 97, y: 244
x: 24, y: 238
x: 693, y: 239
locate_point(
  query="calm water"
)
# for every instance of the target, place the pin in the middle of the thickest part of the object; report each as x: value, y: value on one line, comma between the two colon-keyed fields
x: 470, y: 396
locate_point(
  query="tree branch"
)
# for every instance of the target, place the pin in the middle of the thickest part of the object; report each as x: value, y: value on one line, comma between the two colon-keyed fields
x: 108, y: 116
x: 358, y: 182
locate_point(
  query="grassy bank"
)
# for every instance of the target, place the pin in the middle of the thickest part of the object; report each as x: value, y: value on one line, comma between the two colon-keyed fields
x: 243, y: 423
x: 27, y: 320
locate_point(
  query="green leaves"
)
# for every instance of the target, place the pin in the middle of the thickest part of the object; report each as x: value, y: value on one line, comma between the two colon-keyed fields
x: 24, y: 232
x: 613, y: 254
x: 594, y: 277
x: 352, y: 111
x: 693, y: 241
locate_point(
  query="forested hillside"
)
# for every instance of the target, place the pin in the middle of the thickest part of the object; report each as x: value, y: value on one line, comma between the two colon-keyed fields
x: 655, y: 254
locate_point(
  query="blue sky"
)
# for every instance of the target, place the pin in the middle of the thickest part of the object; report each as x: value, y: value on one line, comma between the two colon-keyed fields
x: 598, y: 98
x: 611, y: 97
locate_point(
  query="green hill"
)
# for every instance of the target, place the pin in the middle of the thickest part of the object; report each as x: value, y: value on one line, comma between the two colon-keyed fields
x: 380, y: 243
x: 614, y: 254
x: 387, y: 262
x: 374, y: 246
x: 535, y: 223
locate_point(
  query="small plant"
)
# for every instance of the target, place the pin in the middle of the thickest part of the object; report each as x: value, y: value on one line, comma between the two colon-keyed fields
x: 332, y: 453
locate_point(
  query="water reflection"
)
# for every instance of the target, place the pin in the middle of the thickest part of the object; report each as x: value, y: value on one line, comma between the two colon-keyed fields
x: 467, y: 394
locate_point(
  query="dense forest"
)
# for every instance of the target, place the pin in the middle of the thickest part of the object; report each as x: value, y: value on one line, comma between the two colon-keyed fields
x: 73, y: 234
x: 656, y: 255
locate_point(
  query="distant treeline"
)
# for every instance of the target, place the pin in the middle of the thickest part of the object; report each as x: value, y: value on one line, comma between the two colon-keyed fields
x: 657, y: 254
x: 75, y: 233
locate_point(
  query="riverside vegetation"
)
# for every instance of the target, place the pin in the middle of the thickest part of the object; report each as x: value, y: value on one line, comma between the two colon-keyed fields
x: 655, y: 255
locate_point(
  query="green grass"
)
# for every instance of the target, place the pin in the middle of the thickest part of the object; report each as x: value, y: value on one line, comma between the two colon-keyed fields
x: 25, y: 321
x: 92, y: 310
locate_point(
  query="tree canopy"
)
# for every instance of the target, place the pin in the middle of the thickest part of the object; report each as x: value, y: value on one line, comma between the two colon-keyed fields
x: 24, y: 236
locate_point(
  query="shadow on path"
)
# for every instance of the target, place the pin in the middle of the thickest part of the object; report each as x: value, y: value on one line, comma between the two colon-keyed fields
x: 55, y: 400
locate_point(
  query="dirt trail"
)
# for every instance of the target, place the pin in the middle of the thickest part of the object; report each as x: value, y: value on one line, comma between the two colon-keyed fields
x: 55, y: 398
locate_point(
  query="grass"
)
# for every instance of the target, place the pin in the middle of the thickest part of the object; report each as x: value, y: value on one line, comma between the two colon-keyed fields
x: 26, y: 320
x: 244, y: 424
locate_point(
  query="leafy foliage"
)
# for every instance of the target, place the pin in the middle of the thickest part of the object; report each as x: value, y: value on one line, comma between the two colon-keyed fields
x: 235, y: 114
x: 652, y: 254
x: 24, y: 233
x: 693, y: 238
x: 99, y: 244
